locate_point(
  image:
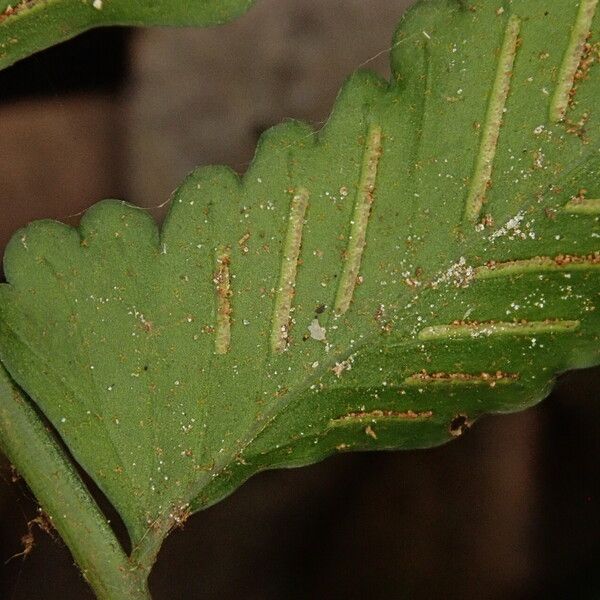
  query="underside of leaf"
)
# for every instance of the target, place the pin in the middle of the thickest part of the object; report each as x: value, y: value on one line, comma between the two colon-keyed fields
x: 27, y: 26
x: 431, y: 255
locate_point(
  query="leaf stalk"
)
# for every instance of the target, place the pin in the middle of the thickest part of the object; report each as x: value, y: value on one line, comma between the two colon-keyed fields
x: 63, y: 496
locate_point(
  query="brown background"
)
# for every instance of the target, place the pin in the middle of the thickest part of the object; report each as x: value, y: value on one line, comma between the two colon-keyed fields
x: 509, y: 511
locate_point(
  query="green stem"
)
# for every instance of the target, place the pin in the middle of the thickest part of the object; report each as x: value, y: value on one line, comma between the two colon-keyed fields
x: 65, y: 499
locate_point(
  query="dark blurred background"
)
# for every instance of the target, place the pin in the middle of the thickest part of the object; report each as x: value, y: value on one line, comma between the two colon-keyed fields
x: 511, y: 510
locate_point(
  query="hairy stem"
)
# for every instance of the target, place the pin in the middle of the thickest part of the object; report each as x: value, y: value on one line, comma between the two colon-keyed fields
x: 65, y: 499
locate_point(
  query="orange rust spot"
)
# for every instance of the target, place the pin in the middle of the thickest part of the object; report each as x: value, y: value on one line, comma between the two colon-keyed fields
x: 490, y: 378
x: 578, y: 128
x: 590, y: 54
x: 386, y: 414
x: 580, y: 197
x: 8, y: 12
x: 561, y: 260
x: 222, y: 281
x: 569, y: 259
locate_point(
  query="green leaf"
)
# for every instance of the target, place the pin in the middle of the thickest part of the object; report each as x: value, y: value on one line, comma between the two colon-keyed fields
x: 430, y: 256
x: 28, y: 26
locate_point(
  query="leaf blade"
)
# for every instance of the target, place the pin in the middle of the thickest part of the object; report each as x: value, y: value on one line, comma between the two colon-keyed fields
x: 340, y: 296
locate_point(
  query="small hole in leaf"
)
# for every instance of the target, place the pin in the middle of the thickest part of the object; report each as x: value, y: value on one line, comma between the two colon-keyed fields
x: 459, y: 424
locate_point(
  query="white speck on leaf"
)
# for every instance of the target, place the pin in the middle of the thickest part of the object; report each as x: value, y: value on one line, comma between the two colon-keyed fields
x: 316, y: 331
